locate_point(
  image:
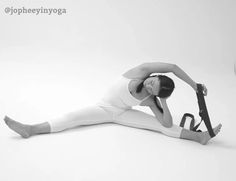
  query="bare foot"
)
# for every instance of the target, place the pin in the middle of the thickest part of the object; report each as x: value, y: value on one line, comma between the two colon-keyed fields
x: 205, y: 137
x: 22, y: 129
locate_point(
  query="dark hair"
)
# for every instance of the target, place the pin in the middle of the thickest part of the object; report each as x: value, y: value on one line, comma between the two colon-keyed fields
x: 166, y: 88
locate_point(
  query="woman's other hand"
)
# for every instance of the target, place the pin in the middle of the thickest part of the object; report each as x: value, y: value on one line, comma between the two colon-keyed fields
x: 204, y: 89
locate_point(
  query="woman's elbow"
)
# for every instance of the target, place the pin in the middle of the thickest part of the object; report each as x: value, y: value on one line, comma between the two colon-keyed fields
x: 167, y: 123
x: 174, y: 67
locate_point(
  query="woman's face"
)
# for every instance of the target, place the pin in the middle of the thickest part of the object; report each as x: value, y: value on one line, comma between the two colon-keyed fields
x: 152, y: 85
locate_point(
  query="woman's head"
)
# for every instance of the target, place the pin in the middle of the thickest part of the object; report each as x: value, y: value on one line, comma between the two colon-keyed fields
x: 159, y: 85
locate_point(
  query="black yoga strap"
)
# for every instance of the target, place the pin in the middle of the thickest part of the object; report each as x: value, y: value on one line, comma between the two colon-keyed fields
x: 203, y: 113
x: 183, y: 120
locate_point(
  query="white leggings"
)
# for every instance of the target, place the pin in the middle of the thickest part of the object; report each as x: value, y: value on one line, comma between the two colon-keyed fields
x: 103, y: 114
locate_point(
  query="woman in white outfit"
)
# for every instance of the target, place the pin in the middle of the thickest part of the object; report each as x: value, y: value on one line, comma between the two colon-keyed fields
x: 135, y: 87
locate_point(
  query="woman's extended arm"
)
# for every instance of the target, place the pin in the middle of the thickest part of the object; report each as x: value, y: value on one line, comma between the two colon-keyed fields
x: 142, y: 71
x: 159, y: 67
x: 183, y: 76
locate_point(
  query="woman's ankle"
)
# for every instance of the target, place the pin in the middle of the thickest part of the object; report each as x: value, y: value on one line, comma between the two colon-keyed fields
x: 190, y: 135
x: 42, y: 128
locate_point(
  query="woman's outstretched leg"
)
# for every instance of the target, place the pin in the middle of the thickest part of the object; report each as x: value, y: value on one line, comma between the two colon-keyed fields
x: 139, y: 119
x: 86, y: 116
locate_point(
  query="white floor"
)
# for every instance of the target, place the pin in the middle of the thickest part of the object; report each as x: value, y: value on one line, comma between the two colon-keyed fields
x: 50, y: 65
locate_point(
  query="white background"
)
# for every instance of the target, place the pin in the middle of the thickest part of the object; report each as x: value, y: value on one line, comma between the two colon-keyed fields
x: 52, y: 64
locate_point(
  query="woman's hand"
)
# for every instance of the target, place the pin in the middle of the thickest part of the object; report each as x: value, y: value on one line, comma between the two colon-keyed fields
x: 163, y: 99
x: 204, y: 89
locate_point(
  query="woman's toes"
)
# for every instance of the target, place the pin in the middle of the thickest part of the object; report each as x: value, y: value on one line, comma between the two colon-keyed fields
x: 6, y: 119
x: 217, y: 129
